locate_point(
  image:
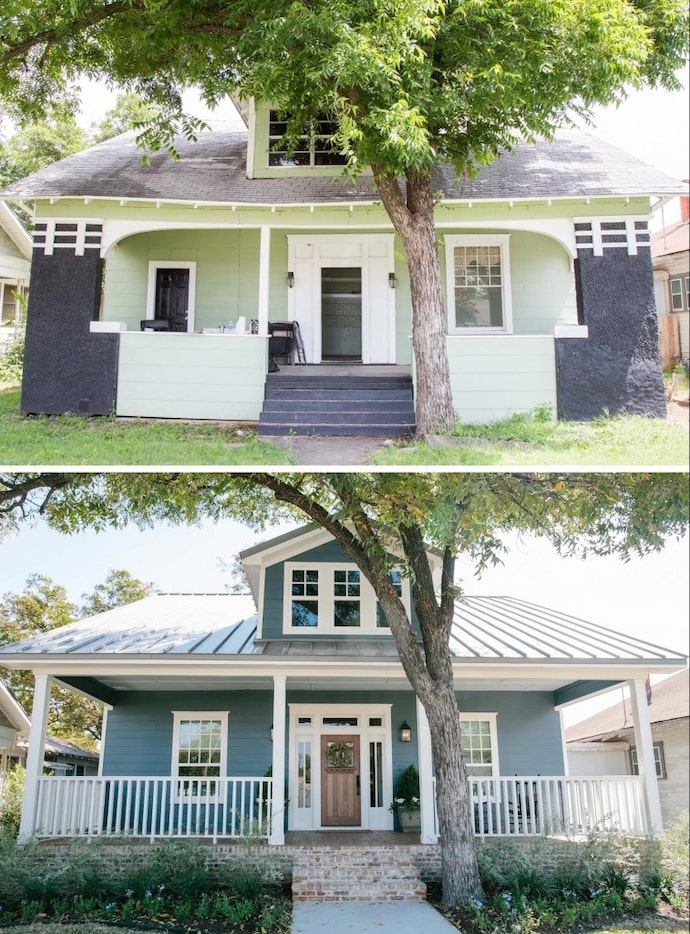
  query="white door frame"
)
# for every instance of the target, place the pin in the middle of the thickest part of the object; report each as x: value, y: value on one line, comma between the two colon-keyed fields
x: 374, y: 254
x: 309, y: 818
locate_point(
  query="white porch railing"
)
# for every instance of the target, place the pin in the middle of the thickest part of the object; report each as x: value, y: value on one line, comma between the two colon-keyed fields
x: 535, y: 805
x: 153, y: 807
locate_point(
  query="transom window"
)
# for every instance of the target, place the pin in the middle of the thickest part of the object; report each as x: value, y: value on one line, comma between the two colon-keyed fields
x: 314, y: 147
x: 479, y: 744
x: 199, y: 753
x: 334, y: 598
x: 478, y: 284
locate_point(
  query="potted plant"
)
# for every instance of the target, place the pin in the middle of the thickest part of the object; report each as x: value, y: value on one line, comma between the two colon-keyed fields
x: 406, y: 800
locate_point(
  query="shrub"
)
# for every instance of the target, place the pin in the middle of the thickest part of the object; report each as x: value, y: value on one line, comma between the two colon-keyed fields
x: 12, y: 358
x: 11, y: 796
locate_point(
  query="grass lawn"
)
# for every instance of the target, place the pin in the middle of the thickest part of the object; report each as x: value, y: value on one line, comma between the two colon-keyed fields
x: 621, y: 441
x: 57, y: 440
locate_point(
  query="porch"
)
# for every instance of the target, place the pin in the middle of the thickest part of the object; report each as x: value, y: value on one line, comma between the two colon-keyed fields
x: 241, y: 808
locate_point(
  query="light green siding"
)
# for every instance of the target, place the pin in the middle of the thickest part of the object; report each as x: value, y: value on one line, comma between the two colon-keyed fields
x: 227, y: 274
x: 498, y: 375
x: 191, y: 376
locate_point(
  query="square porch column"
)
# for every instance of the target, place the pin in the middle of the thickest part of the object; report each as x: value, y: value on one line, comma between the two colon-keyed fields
x: 277, y: 835
x: 645, y: 755
x: 426, y: 777
x: 264, y: 273
x: 35, y: 755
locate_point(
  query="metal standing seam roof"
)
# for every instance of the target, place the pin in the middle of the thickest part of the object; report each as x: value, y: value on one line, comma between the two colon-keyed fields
x: 484, y: 628
x: 213, y: 170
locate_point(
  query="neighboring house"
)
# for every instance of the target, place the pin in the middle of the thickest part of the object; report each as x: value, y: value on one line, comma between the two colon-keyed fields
x: 671, y: 262
x: 15, y: 261
x: 14, y: 726
x: 227, y: 722
x: 604, y: 744
x: 60, y: 757
x: 156, y: 287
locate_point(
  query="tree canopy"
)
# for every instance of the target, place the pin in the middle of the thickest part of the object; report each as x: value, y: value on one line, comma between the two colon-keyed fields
x: 409, y: 83
x: 44, y: 605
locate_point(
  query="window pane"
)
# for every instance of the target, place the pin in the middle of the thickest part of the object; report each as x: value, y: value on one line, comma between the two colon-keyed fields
x: 305, y: 613
x: 346, y: 613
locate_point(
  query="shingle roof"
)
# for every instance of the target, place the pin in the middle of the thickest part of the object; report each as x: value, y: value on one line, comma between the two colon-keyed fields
x: 674, y: 239
x: 669, y: 702
x: 484, y: 628
x: 214, y: 170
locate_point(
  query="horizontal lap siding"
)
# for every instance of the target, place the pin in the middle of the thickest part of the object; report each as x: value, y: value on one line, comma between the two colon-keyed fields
x: 140, y: 731
x: 528, y: 727
x: 191, y: 376
x: 500, y: 375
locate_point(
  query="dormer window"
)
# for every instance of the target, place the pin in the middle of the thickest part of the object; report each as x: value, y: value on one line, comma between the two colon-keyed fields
x: 314, y: 148
x: 334, y: 598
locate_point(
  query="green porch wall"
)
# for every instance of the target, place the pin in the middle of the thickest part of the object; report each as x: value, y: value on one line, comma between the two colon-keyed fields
x: 227, y: 274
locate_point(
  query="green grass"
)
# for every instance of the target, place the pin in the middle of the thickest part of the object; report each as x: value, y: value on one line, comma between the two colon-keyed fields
x: 56, y: 440
x: 621, y: 441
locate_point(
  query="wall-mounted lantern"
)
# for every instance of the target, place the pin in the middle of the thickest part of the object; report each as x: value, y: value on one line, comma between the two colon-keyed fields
x: 290, y: 280
x: 405, y: 732
x: 392, y: 280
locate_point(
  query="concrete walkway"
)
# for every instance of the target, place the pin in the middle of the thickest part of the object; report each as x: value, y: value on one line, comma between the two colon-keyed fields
x: 368, y: 918
x: 334, y: 451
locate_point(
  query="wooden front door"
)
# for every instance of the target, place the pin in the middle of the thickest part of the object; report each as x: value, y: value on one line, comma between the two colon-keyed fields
x: 172, y: 298
x: 340, y: 782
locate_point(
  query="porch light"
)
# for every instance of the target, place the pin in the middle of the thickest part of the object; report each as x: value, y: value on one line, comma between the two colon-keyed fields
x: 290, y: 280
x: 392, y: 280
x: 270, y: 733
x: 405, y: 732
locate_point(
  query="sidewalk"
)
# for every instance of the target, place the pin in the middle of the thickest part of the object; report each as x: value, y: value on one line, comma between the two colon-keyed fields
x: 368, y: 918
x: 335, y: 450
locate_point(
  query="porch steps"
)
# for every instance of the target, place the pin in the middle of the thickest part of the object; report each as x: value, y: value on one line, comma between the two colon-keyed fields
x: 354, y: 873
x: 376, y: 406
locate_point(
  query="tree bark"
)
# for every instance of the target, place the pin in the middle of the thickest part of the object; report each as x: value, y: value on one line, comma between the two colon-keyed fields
x: 413, y: 218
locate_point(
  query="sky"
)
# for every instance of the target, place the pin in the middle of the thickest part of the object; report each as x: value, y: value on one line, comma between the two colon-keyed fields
x: 647, y: 598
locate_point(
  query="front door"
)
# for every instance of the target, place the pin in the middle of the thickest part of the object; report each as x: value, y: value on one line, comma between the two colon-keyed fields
x: 172, y: 298
x: 340, y: 781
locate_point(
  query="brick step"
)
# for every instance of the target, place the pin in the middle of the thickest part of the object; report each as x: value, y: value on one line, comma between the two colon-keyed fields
x: 342, y: 874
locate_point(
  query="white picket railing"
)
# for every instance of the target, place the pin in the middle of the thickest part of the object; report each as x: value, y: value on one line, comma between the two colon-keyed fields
x: 535, y: 805
x: 153, y: 807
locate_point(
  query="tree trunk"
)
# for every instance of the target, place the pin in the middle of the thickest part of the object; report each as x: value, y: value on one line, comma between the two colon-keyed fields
x: 413, y: 219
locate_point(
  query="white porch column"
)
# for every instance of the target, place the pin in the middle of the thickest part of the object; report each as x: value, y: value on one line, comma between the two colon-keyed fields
x: 264, y: 272
x: 426, y: 777
x: 645, y: 754
x: 277, y: 837
x: 35, y: 755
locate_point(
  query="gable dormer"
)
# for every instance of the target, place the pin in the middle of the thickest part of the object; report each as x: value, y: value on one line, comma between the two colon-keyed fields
x: 268, y: 158
x: 305, y: 586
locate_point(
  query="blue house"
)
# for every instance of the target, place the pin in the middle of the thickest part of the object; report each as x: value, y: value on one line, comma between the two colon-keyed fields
x: 287, y: 711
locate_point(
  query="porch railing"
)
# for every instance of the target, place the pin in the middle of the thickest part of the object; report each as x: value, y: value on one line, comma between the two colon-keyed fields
x: 536, y: 805
x: 153, y: 807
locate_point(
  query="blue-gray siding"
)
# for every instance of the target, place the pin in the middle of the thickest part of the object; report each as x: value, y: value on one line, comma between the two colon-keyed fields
x: 331, y: 552
x: 139, y: 732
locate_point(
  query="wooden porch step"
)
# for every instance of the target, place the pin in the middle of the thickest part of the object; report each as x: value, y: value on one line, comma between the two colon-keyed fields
x: 378, y: 406
x: 365, y: 874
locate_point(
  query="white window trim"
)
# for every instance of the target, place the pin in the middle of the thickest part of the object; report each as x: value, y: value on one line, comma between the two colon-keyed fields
x: 154, y: 266
x: 178, y: 716
x: 492, y: 719
x: 679, y: 294
x: 326, y: 599
x: 503, y: 242
x: 310, y: 818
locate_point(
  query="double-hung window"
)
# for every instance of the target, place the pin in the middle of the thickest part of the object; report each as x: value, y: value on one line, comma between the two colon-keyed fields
x: 199, y: 754
x: 679, y: 295
x: 480, y: 750
x: 478, y: 281
x: 659, y: 761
